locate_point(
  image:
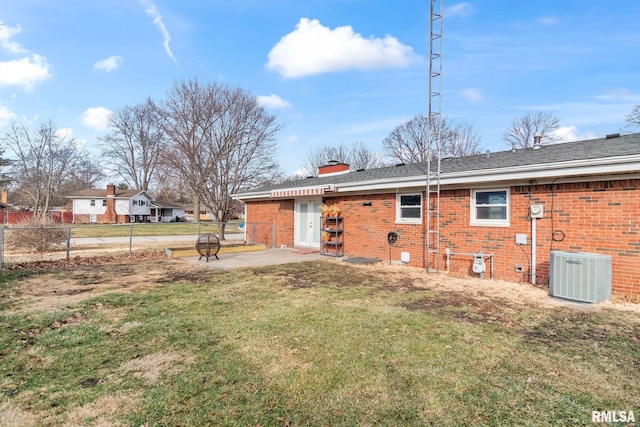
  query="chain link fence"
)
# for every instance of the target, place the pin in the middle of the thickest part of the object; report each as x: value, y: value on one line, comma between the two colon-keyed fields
x: 21, y: 244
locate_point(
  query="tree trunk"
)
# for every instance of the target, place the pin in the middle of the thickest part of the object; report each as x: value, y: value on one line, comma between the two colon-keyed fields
x: 221, y: 227
x: 196, y: 208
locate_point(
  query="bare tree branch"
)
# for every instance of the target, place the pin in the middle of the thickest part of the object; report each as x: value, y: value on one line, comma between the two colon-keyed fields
x: 221, y: 141
x: 356, y: 155
x: 415, y: 140
x: 523, y: 129
x: 633, y: 118
x: 45, y: 161
x: 133, y: 147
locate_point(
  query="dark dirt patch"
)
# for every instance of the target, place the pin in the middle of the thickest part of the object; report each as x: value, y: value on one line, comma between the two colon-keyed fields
x: 51, y: 285
x: 64, y: 264
x: 72, y: 291
x: 466, y: 308
x: 89, y: 382
x: 578, y: 329
x: 319, y: 274
x: 178, y: 276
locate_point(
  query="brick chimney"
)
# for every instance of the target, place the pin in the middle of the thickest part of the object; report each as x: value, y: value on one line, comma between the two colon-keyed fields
x: 333, y: 168
x: 3, y: 197
x: 109, y: 216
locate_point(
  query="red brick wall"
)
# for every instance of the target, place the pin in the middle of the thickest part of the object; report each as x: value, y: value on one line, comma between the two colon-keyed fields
x: 263, y: 216
x: 100, y: 219
x: 366, y: 228
x: 598, y: 217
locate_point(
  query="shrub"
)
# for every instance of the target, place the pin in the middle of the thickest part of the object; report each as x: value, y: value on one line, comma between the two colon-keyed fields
x: 34, y: 233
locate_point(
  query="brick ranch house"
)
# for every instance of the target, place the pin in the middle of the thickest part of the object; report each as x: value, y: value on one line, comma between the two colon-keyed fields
x: 589, y: 192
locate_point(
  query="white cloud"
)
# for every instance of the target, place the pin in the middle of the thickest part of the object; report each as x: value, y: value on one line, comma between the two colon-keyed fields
x: 460, y: 9
x: 64, y: 133
x: 96, y: 118
x: 6, y: 34
x: 548, y: 20
x: 111, y: 63
x: 619, y: 94
x: 291, y: 139
x: 471, y: 94
x: 153, y: 12
x: 570, y: 133
x: 6, y: 115
x: 314, y: 49
x: 25, y: 72
x: 273, y: 101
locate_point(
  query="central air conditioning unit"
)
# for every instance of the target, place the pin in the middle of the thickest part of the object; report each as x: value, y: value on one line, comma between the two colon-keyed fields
x: 580, y: 276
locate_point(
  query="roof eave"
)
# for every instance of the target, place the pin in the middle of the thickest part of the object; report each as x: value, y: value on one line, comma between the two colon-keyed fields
x: 609, y: 165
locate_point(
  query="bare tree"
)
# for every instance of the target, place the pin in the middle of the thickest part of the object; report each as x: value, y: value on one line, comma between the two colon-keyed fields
x: 356, y: 155
x: 133, y: 147
x: 45, y: 161
x: 4, y: 176
x: 170, y: 186
x: 87, y: 174
x: 462, y: 140
x: 221, y: 141
x: 523, y: 129
x: 633, y: 118
x: 412, y: 141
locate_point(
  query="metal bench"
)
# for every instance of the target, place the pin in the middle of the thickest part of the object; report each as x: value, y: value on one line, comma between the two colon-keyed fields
x: 208, y: 245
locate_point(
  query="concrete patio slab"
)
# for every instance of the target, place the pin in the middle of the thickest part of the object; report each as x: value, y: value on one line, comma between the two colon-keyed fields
x: 271, y: 256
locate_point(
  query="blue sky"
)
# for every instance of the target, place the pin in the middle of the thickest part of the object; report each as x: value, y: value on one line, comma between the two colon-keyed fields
x: 334, y: 71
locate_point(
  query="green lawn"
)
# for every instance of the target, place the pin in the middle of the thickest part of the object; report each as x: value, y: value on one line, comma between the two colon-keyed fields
x: 312, y: 344
x: 148, y: 229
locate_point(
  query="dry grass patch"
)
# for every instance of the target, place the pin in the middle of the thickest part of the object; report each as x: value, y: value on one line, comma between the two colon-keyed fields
x: 152, y: 366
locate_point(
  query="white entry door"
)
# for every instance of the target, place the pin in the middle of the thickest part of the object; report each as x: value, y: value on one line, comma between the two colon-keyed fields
x: 307, y: 223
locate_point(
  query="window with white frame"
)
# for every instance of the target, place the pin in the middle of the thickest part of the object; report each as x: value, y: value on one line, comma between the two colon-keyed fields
x: 104, y: 202
x: 92, y: 202
x: 409, y: 208
x: 490, y: 207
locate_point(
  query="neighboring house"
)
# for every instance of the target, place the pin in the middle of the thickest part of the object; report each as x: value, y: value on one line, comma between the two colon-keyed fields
x: 111, y: 206
x: 206, y: 214
x: 162, y: 211
x: 586, y: 198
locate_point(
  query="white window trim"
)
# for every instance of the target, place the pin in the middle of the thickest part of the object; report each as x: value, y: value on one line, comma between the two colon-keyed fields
x: 490, y: 222
x: 399, y: 219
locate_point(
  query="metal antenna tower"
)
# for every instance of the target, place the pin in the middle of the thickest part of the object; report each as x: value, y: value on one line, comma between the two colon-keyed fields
x: 435, y: 137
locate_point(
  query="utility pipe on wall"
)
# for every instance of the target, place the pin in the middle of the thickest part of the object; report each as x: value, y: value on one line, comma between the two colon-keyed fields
x: 533, y: 251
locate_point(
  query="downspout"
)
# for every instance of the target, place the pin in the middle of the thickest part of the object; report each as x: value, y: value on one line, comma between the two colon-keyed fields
x: 533, y: 251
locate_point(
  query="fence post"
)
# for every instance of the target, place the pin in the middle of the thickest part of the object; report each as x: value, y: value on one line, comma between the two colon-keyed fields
x: 1, y: 248
x: 130, y: 240
x: 68, y: 241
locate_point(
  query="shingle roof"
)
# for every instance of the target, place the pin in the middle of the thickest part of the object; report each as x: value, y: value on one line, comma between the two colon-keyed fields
x: 601, y: 148
x: 166, y: 204
x: 102, y: 193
